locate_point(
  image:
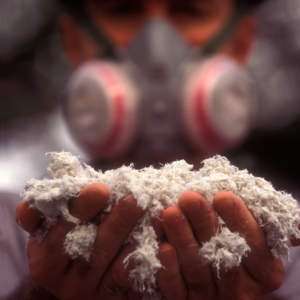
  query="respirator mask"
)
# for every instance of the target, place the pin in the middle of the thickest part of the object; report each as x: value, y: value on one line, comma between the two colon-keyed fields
x: 160, y: 98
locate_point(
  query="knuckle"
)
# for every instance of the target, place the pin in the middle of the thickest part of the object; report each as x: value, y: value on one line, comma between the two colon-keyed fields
x: 257, y: 243
x: 71, y: 295
x: 185, y: 242
x: 233, y: 274
x: 234, y: 295
x: 276, y: 282
x: 172, y: 276
x: 206, y: 290
x: 71, y: 289
x: 174, y: 294
x: 89, y: 202
x: 121, y: 278
x: 51, y: 245
x: 67, y: 295
x: 119, y: 227
x: 240, y: 218
x: 86, y: 210
x: 102, y: 257
x: 38, y: 272
x: 61, y: 230
x: 199, y: 287
x: 204, y: 223
x: 274, y: 277
x: 192, y: 273
x: 82, y: 267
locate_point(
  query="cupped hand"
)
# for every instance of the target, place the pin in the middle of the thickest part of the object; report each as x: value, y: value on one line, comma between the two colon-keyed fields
x: 104, y: 276
x: 194, y: 222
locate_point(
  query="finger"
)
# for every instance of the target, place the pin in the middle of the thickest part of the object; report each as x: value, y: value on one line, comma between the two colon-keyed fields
x: 200, y: 214
x: 259, y: 262
x: 235, y: 284
x: 87, y: 205
x: 28, y: 218
x: 109, y: 240
x: 169, y: 278
x: 116, y: 281
x: 48, y: 261
x: 198, y: 277
x: 134, y: 295
x: 113, y: 231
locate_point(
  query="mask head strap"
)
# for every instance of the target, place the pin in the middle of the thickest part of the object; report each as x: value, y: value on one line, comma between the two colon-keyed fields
x: 217, y: 41
x: 107, y: 49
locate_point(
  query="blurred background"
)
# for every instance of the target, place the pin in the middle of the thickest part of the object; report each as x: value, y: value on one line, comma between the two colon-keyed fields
x: 33, y: 73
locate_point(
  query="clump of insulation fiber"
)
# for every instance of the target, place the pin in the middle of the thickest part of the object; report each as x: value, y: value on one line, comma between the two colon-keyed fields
x: 156, y: 189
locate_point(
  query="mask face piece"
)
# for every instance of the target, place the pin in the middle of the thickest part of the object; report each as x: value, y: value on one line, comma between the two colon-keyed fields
x: 156, y: 57
x: 157, y: 51
x: 159, y: 101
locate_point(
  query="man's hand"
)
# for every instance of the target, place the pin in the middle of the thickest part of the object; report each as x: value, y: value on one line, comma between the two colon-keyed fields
x: 187, y: 226
x: 104, y: 275
x: 194, y: 222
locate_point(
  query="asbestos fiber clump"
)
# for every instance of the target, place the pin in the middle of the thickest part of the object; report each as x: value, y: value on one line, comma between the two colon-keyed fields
x: 156, y: 189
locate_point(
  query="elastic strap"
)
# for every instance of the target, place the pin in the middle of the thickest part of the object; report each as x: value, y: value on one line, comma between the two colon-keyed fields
x: 216, y: 42
x: 107, y: 49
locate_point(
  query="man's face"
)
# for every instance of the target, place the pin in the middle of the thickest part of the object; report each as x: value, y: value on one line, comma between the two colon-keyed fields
x: 196, y: 20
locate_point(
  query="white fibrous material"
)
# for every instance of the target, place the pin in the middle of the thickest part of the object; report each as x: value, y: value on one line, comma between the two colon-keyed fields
x: 225, y: 249
x: 81, y: 241
x: 156, y: 189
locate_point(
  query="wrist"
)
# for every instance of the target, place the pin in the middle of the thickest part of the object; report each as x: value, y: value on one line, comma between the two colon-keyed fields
x: 30, y: 290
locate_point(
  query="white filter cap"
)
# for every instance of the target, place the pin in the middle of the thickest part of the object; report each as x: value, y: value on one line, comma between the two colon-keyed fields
x: 100, y: 106
x: 218, y: 107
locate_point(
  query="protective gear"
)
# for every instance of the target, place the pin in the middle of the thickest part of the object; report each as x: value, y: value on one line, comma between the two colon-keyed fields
x: 158, y: 97
x: 101, y: 107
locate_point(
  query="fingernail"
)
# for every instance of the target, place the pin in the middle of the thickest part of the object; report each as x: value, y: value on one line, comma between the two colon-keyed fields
x: 95, y: 195
x: 192, y: 206
x: 166, y: 254
x: 224, y: 202
x: 130, y: 207
x: 175, y: 222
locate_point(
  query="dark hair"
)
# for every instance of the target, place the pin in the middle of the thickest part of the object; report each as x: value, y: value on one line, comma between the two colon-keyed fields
x: 248, y: 4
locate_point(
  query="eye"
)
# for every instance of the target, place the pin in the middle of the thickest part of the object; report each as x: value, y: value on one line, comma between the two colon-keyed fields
x: 124, y: 9
x: 185, y: 9
x: 190, y: 11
